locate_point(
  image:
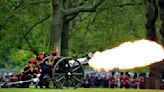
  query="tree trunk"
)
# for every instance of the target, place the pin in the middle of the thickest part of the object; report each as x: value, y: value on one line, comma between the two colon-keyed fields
x: 64, y: 40
x: 57, y: 24
x: 151, y: 15
x: 60, y: 21
x: 161, y: 6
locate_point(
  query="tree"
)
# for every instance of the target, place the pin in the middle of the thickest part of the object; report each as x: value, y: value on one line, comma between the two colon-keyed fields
x: 23, y: 26
x: 156, y: 69
x: 161, y: 6
x: 152, y: 14
x: 115, y: 22
x: 61, y: 15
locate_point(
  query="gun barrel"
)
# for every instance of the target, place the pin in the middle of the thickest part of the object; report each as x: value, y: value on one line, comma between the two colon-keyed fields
x: 84, y: 63
x: 17, y: 82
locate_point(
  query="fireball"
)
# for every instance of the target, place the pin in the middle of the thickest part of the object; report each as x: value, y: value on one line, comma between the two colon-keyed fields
x: 128, y: 55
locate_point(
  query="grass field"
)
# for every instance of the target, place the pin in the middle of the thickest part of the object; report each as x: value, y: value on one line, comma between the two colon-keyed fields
x: 75, y: 90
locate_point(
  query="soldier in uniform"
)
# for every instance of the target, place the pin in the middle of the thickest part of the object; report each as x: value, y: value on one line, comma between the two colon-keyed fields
x: 28, y: 72
x: 141, y: 81
x: 46, y: 67
x: 112, y: 80
x: 39, y: 63
x: 135, y: 81
x: 122, y: 84
x: 40, y: 58
x: 127, y: 80
x: 29, y: 68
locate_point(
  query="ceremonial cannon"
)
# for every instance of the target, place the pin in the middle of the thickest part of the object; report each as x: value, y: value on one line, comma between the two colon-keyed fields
x: 67, y: 72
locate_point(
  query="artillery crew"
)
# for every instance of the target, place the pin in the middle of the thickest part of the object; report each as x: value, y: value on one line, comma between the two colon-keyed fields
x: 38, y: 66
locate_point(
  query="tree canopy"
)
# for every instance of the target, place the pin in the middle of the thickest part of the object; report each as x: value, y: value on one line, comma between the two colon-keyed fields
x: 25, y: 27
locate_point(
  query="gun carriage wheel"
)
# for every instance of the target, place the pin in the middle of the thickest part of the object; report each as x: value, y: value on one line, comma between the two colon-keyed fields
x: 68, y: 72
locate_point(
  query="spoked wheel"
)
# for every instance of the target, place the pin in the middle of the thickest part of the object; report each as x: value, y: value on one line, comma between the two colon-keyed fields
x: 68, y: 72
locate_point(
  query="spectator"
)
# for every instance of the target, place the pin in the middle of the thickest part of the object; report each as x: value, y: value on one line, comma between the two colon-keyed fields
x: 86, y: 82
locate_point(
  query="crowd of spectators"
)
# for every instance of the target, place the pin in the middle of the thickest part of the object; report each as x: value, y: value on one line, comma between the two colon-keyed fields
x: 114, y: 80
x: 7, y: 76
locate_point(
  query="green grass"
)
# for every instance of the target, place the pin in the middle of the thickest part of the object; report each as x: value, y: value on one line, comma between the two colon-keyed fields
x: 75, y: 90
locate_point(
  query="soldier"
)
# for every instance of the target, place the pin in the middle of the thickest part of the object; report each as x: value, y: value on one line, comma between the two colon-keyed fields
x: 135, y: 81
x: 141, y: 81
x: 39, y: 63
x: 46, y: 67
x: 29, y: 68
x: 122, y: 84
x: 27, y: 73
x: 127, y: 80
x: 112, y: 80
x: 40, y: 58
